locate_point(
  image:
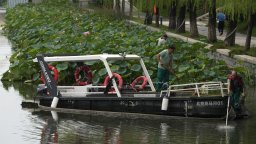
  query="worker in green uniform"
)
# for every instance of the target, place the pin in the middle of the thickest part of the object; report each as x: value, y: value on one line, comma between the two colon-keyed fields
x: 165, y: 61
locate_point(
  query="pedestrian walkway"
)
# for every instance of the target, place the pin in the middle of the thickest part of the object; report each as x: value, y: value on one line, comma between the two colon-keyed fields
x: 203, y: 30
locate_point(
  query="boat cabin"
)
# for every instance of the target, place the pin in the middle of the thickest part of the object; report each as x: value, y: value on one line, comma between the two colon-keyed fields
x: 113, y: 83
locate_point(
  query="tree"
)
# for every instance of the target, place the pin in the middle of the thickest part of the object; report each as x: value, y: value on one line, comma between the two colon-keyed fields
x: 123, y: 7
x: 181, y: 17
x: 172, y: 14
x: 231, y: 32
x: 192, y: 5
x: 251, y: 7
x: 131, y: 8
x: 232, y: 11
x: 252, y: 17
x: 117, y: 6
x: 212, y: 21
x: 235, y: 8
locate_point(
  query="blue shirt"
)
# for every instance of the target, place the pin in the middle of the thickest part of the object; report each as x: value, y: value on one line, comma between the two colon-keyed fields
x: 221, y: 16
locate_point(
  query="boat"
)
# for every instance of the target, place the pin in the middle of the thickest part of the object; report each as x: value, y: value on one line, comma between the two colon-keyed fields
x: 202, y: 99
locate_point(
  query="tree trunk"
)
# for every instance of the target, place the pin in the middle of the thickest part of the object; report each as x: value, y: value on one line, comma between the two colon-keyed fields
x: 117, y: 6
x: 172, y: 16
x: 231, y: 33
x: 131, y: 8
x: 212, y: 23
x: 123, y: 7
x: 192, y: 18
x: 157, y: 16
x: 148, y: 18
x: 249, y: 31
x: 181, y: 20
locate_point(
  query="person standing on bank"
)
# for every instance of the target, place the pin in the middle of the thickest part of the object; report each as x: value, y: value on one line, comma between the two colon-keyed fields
x: 162, y: 40
x: 221, y: 18
x: 235, y: 90
x: 165, y: 61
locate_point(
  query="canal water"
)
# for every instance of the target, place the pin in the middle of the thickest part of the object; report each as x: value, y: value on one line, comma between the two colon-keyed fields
x: 32, y: 126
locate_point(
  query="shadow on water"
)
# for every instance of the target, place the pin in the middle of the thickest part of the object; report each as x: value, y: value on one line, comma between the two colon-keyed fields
x: 77, y: 128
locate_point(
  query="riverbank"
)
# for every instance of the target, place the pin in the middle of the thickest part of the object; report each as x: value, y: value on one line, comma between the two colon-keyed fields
x: 220, y: 54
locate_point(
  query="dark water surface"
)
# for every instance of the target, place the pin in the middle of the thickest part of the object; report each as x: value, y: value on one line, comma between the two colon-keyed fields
x: 28, y: 126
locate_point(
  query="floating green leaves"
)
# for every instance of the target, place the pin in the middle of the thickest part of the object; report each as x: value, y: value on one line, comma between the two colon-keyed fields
x: 136, y: 67
x: 57, y: 28
x: 183, y: 68
x: 62, y: 66
x: 102, y: 72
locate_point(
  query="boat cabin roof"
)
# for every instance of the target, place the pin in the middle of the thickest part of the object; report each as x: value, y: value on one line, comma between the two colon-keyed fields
x: 101, y: 57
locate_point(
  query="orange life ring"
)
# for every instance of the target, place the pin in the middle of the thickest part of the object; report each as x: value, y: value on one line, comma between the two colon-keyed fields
x: 143, y: 85
x: 55, y: 74
x: 88, y: 74
x: 119, y: 79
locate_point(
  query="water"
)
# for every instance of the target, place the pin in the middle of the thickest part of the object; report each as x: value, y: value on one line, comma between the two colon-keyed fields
x: 29, y: 126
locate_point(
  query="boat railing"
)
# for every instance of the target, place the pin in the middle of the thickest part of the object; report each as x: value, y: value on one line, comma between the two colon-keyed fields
x: 197, y: 89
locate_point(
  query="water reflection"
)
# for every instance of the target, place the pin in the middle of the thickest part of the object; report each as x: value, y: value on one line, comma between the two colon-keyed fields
x: 49, y: 132
x: 72, y: 128
x: 27, y: 91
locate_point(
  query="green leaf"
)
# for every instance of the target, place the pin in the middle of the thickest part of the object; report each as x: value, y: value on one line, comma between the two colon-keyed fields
x: 115, y: 68
x: 211, y: 73
x: 96, y: 79
x: 122, y: 71
x: 150, y: 72
x: 102, y: 72
x: 16, y: 63
x: 89, y: 63
x: 36, y: 76
x: 183, y: 68
x: 62, y: 66
x: 124, y: 64
x: 135, y: 67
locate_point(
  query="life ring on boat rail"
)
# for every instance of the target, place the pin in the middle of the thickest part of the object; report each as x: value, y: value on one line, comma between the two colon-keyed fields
x: 119, y: 79
x: 138, y: 79
x: 55, y: 74
x: 87, y: 74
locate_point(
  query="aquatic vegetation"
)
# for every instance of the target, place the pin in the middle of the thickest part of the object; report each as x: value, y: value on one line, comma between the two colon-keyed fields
x: 59, y: 29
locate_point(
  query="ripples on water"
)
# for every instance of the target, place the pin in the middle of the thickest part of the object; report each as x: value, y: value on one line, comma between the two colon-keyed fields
x: 72, y: 128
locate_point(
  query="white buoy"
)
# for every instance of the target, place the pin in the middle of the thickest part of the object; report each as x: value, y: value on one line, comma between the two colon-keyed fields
x: 54, y: 102
x: 165, y: 103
